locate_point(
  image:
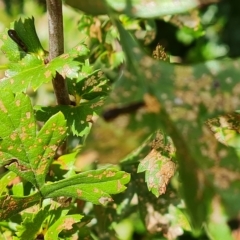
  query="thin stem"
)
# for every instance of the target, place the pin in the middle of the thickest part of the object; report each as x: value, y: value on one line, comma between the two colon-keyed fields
x: 56, y: 47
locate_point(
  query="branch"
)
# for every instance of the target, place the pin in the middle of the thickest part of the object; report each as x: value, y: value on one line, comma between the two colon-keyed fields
x: 56, y: 47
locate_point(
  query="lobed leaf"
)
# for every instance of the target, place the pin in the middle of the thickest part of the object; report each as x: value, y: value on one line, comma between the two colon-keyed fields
x: 31, y: 71
x: 22, y: 150
x: 79, y: 118
x: 26, y: 32
x: 93, y: 186
x: 89, y: 93
x: 89, y: 87
x: 63, y: 223
x: 32, y: 223
x: 11, y: 205
x: 158, y: 165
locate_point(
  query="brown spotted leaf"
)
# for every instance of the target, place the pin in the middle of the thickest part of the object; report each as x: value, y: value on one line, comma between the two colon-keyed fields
x: 93, y: 186
x: 23, y: 150
x: 62, y: 223
x: 11, y: 205
x: 79, y: 118
x: 31, y: 71
x: 89, y: 94
x: 158, y: 165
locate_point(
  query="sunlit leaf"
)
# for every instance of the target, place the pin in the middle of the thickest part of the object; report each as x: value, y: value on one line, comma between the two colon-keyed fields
x: 158, y: 165
x: 63, y: 223
x: 79, y: 118
x: 5, y: 180
x: 32, y: 71
x: 93, y: 186
x: 32, y: 223
x: 24, y: 151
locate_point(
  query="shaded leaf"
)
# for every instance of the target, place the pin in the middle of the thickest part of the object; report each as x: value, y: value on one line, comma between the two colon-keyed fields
x: 89, y: 87
x: 25, y: 32
x: 137, y: 8
x: 217, y: 227
x: 11, y: 205
x: 157, y: 214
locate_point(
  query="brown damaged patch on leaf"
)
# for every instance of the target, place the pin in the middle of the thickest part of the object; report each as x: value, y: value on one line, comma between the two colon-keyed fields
x: 9, y: 204
x: 119, y: 186
x: 157, y: 222
x: 48, y: 74
x: 225, y: 128
x: 223, y: 177
x: 67, y: 224
x: 66, y: 70
x: 152, y: 103
x: 65, y: 56
x: 161, y: 170
x: 2, y: 107
x: 79, y: 193
x: 105, y: 200
x: 109, y: 173
x: 18, y: 165
x: 91, y: 81
x: 158, y: 165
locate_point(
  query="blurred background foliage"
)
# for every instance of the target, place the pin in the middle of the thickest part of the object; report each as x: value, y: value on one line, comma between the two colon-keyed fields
x: 207, y: 33
x: 210, y: 32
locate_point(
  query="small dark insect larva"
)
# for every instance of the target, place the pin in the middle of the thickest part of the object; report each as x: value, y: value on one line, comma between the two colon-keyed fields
x: 13, y: 35
x: 113, y: 113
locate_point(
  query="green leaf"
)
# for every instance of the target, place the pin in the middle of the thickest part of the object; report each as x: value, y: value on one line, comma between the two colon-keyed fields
x: 136, y: 8
x: 32, y: 223
x: 11, y: 205
x: 25, y: 152
x: 31, y: 71
x: 92, y: 86
x: 10, y: 48
x: 5, y: 180
x: 217, y: 227
x: 27, y: 33
x: 89, y: 93
x: 79, y: 118
x: 93, y: 186
x: 63, y: 223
